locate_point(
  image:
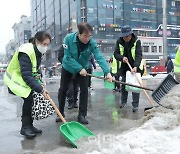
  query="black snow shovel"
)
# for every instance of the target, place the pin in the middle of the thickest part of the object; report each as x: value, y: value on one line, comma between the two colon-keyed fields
x: 72, y: 131
x: 120, y: 82
x: 164, y: 87
x: 144, y: 88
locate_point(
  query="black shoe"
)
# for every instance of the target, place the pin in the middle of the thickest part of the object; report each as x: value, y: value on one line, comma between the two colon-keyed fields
x: 134, y: 109
x: 82, y: 119
x: 27, y: 131
x: 75, y: 105
x: 122, y: 105
x: 58, y: 118
x: 35, y: 130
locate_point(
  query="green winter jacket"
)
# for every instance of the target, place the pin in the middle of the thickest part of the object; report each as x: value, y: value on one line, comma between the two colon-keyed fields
x: 74, y: 64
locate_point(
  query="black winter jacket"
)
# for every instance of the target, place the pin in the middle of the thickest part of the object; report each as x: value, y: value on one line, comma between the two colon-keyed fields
x: 127, y: 53
x: 26, y: 70
x: 169, y: 65
x: 61, y: 54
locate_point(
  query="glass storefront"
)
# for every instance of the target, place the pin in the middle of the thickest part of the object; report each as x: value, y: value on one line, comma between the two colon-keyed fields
x: 60, y: 17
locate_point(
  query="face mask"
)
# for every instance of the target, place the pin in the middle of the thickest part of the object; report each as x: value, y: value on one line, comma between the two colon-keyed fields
x: 42, y: 49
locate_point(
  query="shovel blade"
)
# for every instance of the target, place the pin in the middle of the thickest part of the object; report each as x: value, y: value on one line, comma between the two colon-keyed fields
x: 165, y: 86
x: 72, y: 131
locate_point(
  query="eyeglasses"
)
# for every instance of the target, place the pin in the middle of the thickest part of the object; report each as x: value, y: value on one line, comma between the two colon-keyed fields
x: 86, y: 36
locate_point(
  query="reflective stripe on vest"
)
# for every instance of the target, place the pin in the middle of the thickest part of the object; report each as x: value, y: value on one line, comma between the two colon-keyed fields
x: 133, y: 51
x: 177, y: 62
x: 12, y: 76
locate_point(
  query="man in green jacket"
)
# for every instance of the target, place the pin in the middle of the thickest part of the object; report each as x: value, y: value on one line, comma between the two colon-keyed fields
x: 78, y: 47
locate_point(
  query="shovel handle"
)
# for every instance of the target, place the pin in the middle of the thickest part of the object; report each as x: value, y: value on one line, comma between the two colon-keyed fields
x: 151, y: 102
x: 56, y: 109
x: 124, y: 83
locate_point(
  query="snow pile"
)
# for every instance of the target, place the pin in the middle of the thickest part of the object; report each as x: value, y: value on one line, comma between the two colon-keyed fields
x: 159, y: 133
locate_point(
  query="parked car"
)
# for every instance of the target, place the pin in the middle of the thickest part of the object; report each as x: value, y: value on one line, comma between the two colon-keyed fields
x: 157, y: 70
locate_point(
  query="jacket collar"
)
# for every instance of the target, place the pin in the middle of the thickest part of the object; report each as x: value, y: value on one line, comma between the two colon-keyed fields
x: 37, y: 51
x: 75, y: 37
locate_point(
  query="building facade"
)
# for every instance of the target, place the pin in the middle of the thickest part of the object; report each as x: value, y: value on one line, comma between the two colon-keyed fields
x: 10, y: 49
x: 56, y: 17
x: 22, y: 31
x: 60, y: 17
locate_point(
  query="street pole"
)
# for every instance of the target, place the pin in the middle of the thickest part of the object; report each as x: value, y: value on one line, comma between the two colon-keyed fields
x: 164, y: 28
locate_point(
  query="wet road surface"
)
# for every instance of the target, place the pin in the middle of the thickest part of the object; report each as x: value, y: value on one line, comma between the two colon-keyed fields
x: 104, y: 115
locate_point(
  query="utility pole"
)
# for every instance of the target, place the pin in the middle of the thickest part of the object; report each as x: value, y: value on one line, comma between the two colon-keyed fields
x: 164, y: 28
x: 70, y: 19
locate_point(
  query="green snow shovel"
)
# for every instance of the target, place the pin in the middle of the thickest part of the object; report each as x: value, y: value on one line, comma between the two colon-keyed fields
x: 72, y: 131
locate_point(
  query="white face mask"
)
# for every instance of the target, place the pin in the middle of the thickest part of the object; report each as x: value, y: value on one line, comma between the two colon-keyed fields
x: 42, y: 49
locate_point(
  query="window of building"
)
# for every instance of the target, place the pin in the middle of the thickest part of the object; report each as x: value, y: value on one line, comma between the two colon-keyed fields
x: 91, y: 10
x: 147, y: 17
x: 91, y: 3
x: 173, y: 3
x: 160, y: 49
x: 109, y: 13
x: 109, y: 21
x: 135, y: 16
x: 92, y: 20
x: 145, y: 48
x: 173, y: 19
x: 154, y: 49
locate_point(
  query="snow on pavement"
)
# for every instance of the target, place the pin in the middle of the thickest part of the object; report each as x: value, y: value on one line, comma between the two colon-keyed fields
x: 159, y: 132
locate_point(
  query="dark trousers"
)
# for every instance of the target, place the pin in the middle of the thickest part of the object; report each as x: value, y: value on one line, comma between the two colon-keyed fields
x: 124, y: 95
x: 66, y: 77
x: 26, y: 109
x: 90, y: 72
x: 116, y: 76
x: 72, y: 92
x: 27, y: 106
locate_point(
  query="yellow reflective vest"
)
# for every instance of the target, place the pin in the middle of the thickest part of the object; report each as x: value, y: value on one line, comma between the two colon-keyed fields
x: 12, y: 76
x: 114, y: 65
x: 177, y: 62
x: 133, y: 51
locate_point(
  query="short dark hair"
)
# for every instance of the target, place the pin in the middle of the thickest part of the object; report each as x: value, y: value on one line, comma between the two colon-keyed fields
x: 84, y: 27
x: 41, y: 36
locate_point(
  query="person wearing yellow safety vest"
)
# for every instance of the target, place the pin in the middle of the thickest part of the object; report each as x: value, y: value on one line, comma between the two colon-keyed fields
x: 177, y: 64
x: 115, y: 72
x: 21, y: 80
x: 128, y: 49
